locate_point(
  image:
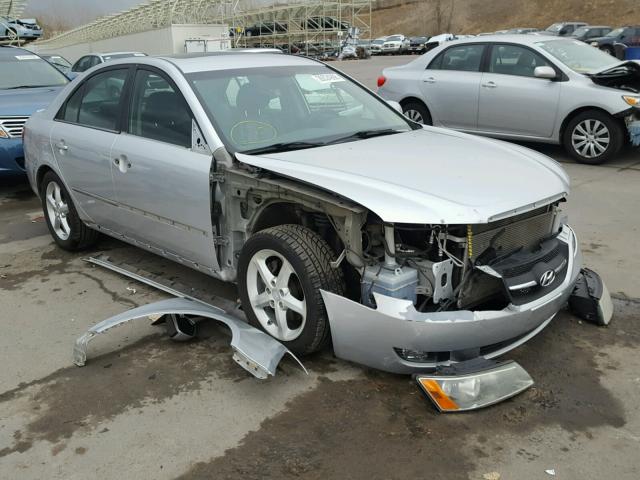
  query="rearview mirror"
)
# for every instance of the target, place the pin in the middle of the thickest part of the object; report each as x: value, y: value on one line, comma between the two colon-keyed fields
x: 545, y: 72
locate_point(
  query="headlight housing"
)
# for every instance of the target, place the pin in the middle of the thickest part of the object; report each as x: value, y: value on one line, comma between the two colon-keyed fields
x: 3, y: 133
x: 474, y: 384
x: 632, y: 100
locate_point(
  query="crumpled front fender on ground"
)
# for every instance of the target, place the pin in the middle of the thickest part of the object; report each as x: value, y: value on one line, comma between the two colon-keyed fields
x: 253, y: 350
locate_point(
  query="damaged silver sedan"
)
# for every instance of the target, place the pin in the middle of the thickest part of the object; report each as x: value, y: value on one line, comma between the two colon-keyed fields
x: 407, y: 247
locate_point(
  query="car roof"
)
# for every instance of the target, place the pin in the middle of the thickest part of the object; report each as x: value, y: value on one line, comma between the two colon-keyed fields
x: 112, y: 53
x: 508, y: 38
x: 231, y: 61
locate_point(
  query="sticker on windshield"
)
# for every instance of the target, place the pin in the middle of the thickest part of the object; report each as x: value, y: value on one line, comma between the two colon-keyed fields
x: 327, y: 77
x: 27, y: 57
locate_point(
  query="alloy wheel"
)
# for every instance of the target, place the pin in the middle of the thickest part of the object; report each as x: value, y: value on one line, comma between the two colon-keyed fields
x: 57, y: 210
x: 590, y: 138
x: 414, y: 115
x: 276, y: 295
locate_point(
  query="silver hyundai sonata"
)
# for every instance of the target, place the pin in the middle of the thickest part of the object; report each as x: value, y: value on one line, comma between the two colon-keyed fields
x: 339, y: 219
x: 523, y: 87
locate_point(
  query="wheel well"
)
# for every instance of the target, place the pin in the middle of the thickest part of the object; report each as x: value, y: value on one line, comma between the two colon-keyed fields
x: 276, y: 214
x: 404, y: 101
x: 42, y: 171
x: 578, y: 111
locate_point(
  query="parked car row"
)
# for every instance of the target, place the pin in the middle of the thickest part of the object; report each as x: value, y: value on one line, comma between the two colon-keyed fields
x: 523, y: 87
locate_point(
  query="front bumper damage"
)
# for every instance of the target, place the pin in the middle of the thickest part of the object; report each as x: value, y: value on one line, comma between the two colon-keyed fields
x: 377, y: 337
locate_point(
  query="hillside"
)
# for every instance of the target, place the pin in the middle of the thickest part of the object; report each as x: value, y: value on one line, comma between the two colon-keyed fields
x: 414, y: 17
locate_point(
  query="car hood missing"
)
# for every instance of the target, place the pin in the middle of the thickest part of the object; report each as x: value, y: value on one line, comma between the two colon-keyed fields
x: 428, y: 175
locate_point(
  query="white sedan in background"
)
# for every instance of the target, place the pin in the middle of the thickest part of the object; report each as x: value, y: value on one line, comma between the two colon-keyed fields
x: 519, y: 87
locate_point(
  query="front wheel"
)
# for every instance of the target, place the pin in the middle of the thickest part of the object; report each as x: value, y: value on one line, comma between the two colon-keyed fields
x: 63, y: 221
x: 593, y: 137
x: 280, y: 274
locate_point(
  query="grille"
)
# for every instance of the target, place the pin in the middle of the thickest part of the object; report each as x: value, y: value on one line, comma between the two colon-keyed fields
x: 13, y: 125
x: 511, y: 234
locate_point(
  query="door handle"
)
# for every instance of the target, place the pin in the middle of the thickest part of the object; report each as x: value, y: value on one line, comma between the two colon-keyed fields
x: 122, y: 163
x: 61, y: 145
x: 429, y: 80
x: 489, y: 85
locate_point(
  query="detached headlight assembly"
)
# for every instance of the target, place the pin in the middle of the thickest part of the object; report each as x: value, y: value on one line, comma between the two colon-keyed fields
x: 632, y: 100
x: 478, y: 384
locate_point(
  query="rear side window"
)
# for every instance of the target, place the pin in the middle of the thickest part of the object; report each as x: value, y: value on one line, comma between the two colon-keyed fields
x: 72, y: 107
x: 100, y: 105
x: 158, y: 111
x: 463, y: 58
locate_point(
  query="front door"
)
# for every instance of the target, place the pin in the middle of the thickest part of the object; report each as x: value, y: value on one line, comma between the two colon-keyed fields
x: 81, y: 139
x: 450, y: 86
x: 512, y: 100
x: 161, y: 182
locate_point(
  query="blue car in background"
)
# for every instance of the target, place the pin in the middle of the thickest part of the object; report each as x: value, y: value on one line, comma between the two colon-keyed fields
x: 27, y: 84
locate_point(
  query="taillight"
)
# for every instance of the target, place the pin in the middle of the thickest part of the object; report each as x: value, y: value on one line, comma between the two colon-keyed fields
x: 381, y: 80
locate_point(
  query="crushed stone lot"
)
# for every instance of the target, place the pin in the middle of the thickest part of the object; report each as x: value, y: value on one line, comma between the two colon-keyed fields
x: 147, y: 407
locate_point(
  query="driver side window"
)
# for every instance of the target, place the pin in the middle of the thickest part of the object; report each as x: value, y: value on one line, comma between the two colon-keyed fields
x: 158, y: 111
x: 515, y: 60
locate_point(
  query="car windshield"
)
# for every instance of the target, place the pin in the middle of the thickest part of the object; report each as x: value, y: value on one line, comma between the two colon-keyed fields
x: 556, y: 27
x: 28, y: 71
x: 578, y: 56
x: 58, y: 60
x: 394, y: 38
x: 286, y: 108
x: 581, y: 31
x: 615, y: 33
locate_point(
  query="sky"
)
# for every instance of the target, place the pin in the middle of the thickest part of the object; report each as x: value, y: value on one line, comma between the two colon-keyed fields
x: 75, y: 11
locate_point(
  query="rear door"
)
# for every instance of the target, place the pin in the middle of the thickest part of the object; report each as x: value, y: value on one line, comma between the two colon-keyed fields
x: 83, y: 133
x: 451, y: 84
x: 512, y: 100
x: 161, y: 173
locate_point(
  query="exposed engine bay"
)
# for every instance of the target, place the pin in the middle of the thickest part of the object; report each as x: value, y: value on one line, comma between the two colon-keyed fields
x: 453, y: 267
x: 625, y: 76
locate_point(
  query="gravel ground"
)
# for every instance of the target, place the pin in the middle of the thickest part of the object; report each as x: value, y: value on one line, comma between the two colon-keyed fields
x: 145, y: 407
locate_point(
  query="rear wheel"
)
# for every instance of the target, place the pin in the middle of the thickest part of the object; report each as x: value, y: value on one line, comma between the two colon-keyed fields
x: 65, y: 226
x: 593, y: 137
x: 417, y: 112
x: 280, y: 274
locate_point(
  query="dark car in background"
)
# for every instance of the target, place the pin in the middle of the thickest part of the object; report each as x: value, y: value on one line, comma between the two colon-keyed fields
x: 418, y: 44
x: 589, y: 32
x: 27, y: 84
x: 59, y: 62
x: 563, y: 29
x: 627, y: 36
x: 266, y: 28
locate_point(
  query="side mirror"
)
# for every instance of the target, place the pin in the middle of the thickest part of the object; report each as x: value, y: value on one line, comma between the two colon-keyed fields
x: 545, y: 72
x: 395, y: 105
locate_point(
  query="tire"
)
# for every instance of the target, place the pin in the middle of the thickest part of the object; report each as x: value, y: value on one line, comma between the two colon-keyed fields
x: 305, y: 328
x: 593, y: 137
x: 69, y: 232
x: 417, y: 112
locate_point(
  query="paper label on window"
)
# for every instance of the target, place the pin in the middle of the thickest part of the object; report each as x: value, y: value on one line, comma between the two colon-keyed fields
x: 27, y: 57
x: 328, y: 78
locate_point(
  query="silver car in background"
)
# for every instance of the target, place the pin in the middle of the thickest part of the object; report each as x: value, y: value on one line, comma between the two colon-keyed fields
x: 339, y: 219
x: 523, y: 87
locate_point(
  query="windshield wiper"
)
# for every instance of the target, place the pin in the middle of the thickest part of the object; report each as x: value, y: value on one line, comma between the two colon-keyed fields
x: 363, y: 134
x: 283, y: 147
